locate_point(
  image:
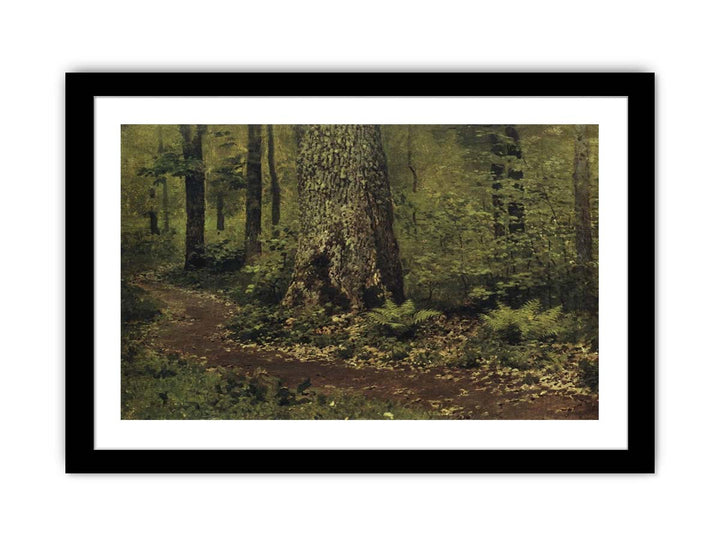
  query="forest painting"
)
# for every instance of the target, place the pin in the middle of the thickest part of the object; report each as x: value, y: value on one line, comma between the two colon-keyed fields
x: 366, y: 272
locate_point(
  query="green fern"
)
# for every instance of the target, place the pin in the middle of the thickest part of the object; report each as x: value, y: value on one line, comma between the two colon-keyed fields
x: 400, y: 319
x: 527, y: 323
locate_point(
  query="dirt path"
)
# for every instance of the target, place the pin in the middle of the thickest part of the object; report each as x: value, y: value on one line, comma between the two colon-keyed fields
x: 196, y: 324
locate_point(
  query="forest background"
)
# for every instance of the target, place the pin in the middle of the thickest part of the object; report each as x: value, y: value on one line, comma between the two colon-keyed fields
x: 482, y: 253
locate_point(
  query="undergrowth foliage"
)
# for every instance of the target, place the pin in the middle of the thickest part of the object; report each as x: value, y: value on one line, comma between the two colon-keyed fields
x: 400, y: 319
x: 222, y: 257
x: 170, y: 387
x: 157, y: 385
x: 135, y: 305
x: 141, y: 250
x: 527, y: 323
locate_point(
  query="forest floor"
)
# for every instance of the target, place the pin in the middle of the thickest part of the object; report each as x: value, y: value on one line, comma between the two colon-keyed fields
x: 194, y: 326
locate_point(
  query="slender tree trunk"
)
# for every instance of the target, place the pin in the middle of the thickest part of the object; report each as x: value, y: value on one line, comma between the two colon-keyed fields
x: 166, y: 205
x: 194, y: 196
x: 154, y: 222
x: 411, y: 166
x: 152, y: 214
x: 253, y: 199
x: 163, y: 180
x: 220, y: 215
x: 274, y: 183
x: 347, y: 253
x: 581, y: 184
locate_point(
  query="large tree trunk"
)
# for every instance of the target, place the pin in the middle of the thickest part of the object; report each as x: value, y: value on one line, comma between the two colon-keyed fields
x: 194, y: 196
x: 347, y: 253
x: 581, y: 184
x: 253, y: 199
x: 274, y: 183
x: 500, y: 173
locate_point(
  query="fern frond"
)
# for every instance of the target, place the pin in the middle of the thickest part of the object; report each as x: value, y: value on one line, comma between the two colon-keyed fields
x: 398, y: 326
x: 378, y: 317
x: 389, y: 306
x: 529, y: 322
x: 400, y: 318
x: 424, y: 314
x: 531, y: 307
x: 407, y: 308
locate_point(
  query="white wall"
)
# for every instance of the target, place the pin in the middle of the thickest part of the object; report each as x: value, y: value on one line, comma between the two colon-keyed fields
x: 41, y: 40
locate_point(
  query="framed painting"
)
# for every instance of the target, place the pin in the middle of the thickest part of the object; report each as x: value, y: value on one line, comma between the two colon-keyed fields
x: 360, y: 272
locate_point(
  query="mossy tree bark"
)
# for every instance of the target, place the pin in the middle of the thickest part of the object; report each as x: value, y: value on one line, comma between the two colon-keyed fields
x: 253, y: 198
x: 581, y: 184
x: 347, y: 253
x: 194, y: 195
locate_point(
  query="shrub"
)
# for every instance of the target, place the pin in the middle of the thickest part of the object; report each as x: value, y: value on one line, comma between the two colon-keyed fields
x: 515, y: 357
x: 579, y: 327
x: 265, y: 324
x: 589, y: 373
x: 488, y: 346
x: 400, y: 320
x: 220, y: 257
x: 345, y: 351
x: 423, y: 358
x: 141, y: 250
x: 136, y: 305
x: 259, y: 323
x: 266, y: 280
x: 400, y: 351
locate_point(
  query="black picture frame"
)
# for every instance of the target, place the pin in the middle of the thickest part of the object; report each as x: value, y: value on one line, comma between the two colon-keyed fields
x: 83, y: 457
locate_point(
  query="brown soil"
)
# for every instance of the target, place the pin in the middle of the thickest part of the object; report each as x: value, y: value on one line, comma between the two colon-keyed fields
x: 195, y: 328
